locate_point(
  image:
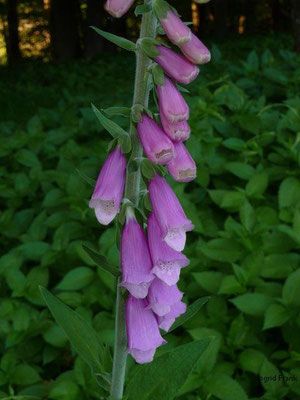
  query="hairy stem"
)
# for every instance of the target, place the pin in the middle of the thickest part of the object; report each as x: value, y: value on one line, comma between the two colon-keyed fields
x: 132, y: 192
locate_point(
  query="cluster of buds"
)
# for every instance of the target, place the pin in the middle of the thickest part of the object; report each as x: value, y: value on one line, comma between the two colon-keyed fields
x: 151, y: 263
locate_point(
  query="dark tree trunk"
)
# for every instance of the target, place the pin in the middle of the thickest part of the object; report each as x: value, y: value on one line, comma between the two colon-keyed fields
x: 12, y: 40
x: 64, y: 23
x: 295, y: 16
x: 94, y: 17
x: 220, y: 8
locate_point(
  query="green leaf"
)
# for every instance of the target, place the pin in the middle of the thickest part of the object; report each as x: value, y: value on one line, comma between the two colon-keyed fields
x: 81, y: 335
x: 24, y: 374
x: 252, y: 303
x: 119, y: 41
x: 247, y: 216
x: 291, y: 289
x: 227, y: 199
x: 28, y: 158
x: 289, y: 192
x: 173, y: 367
x: 276, y: 315
x: 123, y: 111
x: 76, y: 279
x: 147, y: 169
x: 86, y: 178
x: 158, y: 75
x: 210, y: 281
x: 222, y: 250
x: 251, y: 360
x: 257, y: 184
x: 225, y: 388
x: 114, y: 129
x: 102, y: 262
x: 64, y: 390
x: 142, y: 9
x: 234, y: 144
x: 190, y: 312
x: 125, y: 143
x: 241, y: 170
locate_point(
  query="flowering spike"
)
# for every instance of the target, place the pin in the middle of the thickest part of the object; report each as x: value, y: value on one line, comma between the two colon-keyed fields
x: 196, y: 51
x: 166, y: 261
x: 171, y: 102
x: 175, y: 29
x: 176, y: 66
x: 117, y: 8
x: 156, y: 144
x: 168, y: 320
x: 169, y: 214
x: 135, y: 258
x: 143, y: 335
x: 182, y: 167
x: 177, y: 131
x: 162, y: 296
x: 109, y: 189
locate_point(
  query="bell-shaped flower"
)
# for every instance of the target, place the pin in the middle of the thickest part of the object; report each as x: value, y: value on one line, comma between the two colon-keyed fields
x: 177, y: 32
x: 168, y: 320
x: 169, y: 213
x: 161, y: 297
x: 109, y: 189
x: 176, y: 66
x: 167, y: 262
x: 135, y: 258
x: 182, y: 167
x: 171, y: 102
x: 177, y: 131
x: 156, y: 144
x: 195, y: 51
x: 117, y: 8
x: 143, y: 336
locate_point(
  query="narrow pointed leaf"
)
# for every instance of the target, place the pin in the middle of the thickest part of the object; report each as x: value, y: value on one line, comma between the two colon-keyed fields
x: 123, y: 111
x: 86, y: 178
x: 142, y: 9
x: 102, y: 262
x: 190, y: 312
x: 114, y: 129
x: 119, y: 41
x: 163, y: 378
x: 81, y: 335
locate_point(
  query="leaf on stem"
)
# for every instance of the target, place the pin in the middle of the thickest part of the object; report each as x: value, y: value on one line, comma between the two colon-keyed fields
x: 102, y: 262
x: 114, y: 129
x: 119, y: 41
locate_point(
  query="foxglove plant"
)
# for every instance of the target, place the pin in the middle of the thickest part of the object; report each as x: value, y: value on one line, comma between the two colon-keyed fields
x: 148, y: 298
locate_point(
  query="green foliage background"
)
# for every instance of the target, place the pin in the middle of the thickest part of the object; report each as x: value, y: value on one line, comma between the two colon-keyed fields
x: 245, y: 204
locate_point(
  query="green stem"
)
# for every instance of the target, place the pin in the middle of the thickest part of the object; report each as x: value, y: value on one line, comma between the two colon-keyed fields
x: 132, y: 192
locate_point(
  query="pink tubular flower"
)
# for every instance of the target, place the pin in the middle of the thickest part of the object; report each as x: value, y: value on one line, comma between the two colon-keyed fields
x: 177, y: 131
x: 162, y: 296
x: 117, y: 8
x: 182, y: 167
x: 176, y: 66
x: 177, y: 32
x: 171, y: 102
x: 168, y: 320
x: 143, y: 335
x: 109, y: 189
x: 156, y: 144
x: 167, y: 262
x: 195, y: 51
x: 135, y: 258
x: 169, y: 214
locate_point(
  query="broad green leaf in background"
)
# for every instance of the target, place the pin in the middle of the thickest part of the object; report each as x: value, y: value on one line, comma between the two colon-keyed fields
x: 76, y: 279
x: 289, y: 192
x: 81, y: 335
x: 224, y: 387
x: 257, y: 184
x: 162, y: 379
x: 222, y: 250
x: 252, y: 303
x: 210, y: 281
x: 102, y: 262
x: 276, y: 315
x: 251, y: 360
x: 291, y: 289
x: 119, y: 41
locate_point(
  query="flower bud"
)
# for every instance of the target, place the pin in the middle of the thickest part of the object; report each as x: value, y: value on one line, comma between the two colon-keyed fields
x: 117, y: 8
x: 109, y: 189
x: 167, y: 262
x: 168, y: 320
x: 156, y: 144
x: 182, y: 167
x: 175, y: 29
x: 143, y: 336
x: 171, y: 102
x: 162, y: 296
x: 135, y: 258
x: 195, y: 51
x: 176, y: 66
x: 177, y: 131
x: 169, y: 214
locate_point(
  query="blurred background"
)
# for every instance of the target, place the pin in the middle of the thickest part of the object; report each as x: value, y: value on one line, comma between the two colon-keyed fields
x: 245, y: 201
